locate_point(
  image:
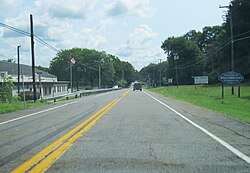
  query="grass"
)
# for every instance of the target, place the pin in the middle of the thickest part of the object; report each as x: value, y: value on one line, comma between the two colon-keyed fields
x: 18, y: 105
x: 210, y: 97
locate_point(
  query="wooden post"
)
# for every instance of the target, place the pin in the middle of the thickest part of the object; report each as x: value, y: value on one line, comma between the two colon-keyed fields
x: 239, y: 90
x: 222, y: 93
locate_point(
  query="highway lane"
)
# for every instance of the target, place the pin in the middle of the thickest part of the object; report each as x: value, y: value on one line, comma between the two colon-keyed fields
x: 141, y: 135
x: 22, y: 138
x: 136, y: 134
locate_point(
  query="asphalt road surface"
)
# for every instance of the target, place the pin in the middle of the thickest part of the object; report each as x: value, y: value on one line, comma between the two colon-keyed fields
x: 123, y: 131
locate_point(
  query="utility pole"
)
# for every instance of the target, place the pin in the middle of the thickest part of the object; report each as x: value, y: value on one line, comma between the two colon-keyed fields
x: 40, y: 84
x: 160, y: 71
x: 176, y: 57
x: 72, y: 61
x: 232, y: 38
x: 99, y: 86
x: 23, y: 88
x: 18, y: 70
x: 71, y: 82
x: 33, y: 57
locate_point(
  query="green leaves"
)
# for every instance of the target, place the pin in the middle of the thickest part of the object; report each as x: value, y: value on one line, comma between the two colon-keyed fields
x: 86, y: 69
x: 6, y: 90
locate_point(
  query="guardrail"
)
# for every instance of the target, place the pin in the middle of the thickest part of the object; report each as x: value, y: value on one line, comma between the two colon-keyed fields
x: 80, y: 93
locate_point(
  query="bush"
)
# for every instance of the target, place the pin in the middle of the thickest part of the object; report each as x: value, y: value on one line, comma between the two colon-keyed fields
x: 6, y: 90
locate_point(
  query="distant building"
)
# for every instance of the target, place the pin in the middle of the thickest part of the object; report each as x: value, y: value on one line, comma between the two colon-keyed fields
x: 46, y: 83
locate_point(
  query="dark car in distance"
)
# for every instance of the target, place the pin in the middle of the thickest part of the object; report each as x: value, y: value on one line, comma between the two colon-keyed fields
x: 137, y: 86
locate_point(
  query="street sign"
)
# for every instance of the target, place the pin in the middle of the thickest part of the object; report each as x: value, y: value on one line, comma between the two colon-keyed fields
x: 231, y: 77
x: 200, y: 79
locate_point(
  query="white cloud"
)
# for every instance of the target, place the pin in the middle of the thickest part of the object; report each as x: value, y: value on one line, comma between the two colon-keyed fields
x: 9, y: 7
x: 137, y: 41
x: 139, y: 8
x: 105, y: 23
x: 87, y: 38
x: 138, y: 49
x: 141, y: 36
x: 74, y: 9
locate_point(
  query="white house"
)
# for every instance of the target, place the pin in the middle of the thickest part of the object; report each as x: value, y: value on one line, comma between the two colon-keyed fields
x: 46, y: 83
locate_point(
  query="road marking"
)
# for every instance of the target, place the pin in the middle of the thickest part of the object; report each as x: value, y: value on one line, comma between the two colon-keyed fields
x: 225, y: 144
x: 46, y: 157
x: 50, y: 109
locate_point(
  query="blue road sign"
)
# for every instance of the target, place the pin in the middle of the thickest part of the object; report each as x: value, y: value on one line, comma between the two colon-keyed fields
x: 231, y: 77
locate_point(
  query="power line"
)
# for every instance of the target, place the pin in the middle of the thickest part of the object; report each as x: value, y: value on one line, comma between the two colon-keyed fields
x: 28, y: 35
x: 242, y: 38
x: 216, y: 51
x: 15, y: 29
x: 45, y: 43
x: 242, y: 34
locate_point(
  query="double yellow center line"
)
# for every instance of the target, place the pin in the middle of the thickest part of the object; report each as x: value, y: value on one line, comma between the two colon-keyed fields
x: 46, y: 157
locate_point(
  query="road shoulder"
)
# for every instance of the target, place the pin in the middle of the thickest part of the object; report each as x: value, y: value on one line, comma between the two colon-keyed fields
x: 235, y: 132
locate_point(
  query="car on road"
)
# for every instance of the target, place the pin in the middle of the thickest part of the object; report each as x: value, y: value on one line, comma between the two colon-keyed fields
x: 137, y: 86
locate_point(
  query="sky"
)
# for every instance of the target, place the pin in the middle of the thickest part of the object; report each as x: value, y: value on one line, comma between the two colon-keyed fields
x: 132, y: 30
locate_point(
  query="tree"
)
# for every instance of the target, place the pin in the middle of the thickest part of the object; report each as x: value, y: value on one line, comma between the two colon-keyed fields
x: 6, y: 89
x: 43, y: 68
x: 130, y: 74
x: 86, y: 69
x: 190, y: 58
x: 239, y: 11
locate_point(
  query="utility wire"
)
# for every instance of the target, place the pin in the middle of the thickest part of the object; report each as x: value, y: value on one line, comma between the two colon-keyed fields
x: 86, y: 65
x: 242, y: 38
x: 216, y: 51
x: 45, y: 43
x: 15, y: 29
x: 242, y: 34
x: 28, y: 35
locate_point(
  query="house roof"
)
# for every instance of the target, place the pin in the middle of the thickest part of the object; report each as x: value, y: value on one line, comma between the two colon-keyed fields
x: 11, y: 68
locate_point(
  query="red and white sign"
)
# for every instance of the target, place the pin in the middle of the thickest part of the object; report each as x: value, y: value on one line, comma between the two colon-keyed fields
x: 73, y: 61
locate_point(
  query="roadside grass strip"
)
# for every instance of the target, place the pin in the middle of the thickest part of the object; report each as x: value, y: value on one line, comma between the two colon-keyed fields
x: 210, y: 97
x: 46, y: 157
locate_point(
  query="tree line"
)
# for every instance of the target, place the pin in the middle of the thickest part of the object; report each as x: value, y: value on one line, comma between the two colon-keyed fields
x: 86, y: 69
x: 206, y: 52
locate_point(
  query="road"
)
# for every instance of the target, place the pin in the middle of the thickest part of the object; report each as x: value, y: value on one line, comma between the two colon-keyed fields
x: 123, y: 131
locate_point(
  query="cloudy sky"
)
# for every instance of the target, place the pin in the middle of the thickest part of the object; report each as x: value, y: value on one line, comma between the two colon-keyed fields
x: 133, y: 30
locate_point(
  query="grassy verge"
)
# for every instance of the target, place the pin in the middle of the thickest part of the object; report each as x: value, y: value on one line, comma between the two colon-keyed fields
x: 210, y: 97
x: 18, y: 105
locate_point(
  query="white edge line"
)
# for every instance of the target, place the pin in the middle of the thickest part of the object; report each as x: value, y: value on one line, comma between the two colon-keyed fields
x: 19, y: 118
x: 26, y: 116
x: 225, y: 144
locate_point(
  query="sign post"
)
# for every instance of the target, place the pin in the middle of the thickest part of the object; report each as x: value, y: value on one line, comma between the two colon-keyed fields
x: 231, y: 78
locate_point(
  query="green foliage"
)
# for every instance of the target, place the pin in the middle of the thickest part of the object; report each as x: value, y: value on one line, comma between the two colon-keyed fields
x: 86, y: 69
x: 214, y: 54
x: 43, y: 68
x: 6, y: 90
x: 189, y: 58
x: 18, y: 105
x: 122, y: 83
x: 241, y: 30
x: 210, y: 97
